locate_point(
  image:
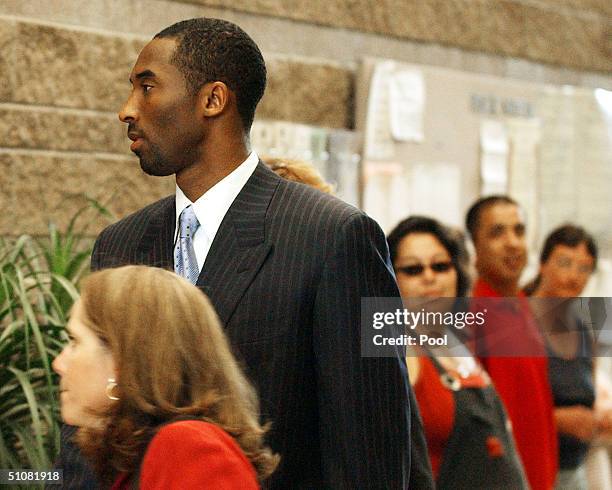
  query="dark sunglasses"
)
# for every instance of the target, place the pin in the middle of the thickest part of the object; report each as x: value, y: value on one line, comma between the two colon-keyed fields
x: 418, y: 269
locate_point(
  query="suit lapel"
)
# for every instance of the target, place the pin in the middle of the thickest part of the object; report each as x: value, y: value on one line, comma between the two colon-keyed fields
x: 157, y: 241
x: 240, y: 246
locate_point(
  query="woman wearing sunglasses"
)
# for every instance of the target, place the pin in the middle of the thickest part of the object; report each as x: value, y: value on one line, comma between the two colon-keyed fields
x: 466, y: 427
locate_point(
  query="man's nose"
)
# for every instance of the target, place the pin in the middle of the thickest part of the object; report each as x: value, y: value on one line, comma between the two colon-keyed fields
x: 573, y: 276
x: 128, y: 112
x: 514, y: 240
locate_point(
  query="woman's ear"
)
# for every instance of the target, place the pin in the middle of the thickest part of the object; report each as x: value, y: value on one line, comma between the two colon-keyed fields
x: 111, y: 367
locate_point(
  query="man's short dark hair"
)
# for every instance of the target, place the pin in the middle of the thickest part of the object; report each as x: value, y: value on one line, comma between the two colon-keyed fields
x: 210, y: 50
x: 472, y: 219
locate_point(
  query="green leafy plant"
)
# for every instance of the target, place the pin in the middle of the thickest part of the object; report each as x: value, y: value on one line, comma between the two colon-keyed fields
x: 67, y: 254
x: 38, y: 284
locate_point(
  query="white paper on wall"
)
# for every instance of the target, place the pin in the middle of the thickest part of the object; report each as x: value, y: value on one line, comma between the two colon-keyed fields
x: 435, y: 190
x: 524, y: 136
x: 344, y: 168
x: 407, y: 103
x: 493, y: 137
x: 494, y: 169
x: 494, y: 146
x: 384, y: 193
x: 379, y: 143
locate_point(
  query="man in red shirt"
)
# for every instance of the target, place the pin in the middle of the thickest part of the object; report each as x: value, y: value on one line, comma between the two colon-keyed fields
x: 516, y: 359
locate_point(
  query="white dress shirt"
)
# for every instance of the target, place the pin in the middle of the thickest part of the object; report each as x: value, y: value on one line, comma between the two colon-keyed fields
x: 211, y: 207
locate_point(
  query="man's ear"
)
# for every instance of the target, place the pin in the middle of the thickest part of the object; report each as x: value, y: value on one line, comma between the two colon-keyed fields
x: 213, y: 98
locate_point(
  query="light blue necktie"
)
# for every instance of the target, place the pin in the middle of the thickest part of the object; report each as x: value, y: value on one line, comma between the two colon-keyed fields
x: 185, y: 263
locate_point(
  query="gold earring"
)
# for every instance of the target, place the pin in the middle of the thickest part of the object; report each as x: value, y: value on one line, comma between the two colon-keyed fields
x: 109, y: 388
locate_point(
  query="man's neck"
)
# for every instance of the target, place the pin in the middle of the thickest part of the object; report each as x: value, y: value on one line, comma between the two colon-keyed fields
x: 197, y: 179
x: 505, y: 289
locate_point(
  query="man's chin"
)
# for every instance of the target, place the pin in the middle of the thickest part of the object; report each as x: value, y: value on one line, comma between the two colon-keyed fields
x: 154, y: 170
x: 511, y: 280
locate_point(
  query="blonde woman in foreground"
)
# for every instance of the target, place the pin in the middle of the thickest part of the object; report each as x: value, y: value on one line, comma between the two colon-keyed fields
x: 149, y: 380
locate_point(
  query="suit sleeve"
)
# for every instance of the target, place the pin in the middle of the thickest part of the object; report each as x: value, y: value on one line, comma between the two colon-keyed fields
x: 421, y: 476
x: 95, y: 256
x: 364, y: 403
x: 195, y: 455
x: 77, y: 472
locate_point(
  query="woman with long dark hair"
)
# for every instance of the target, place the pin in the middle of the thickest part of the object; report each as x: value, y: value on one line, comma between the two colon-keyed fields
x: 470, y: 446
x: 567, y: 261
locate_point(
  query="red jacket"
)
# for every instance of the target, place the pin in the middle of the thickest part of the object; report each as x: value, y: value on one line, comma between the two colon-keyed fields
x: 193, y: 454
x: 522, y: 383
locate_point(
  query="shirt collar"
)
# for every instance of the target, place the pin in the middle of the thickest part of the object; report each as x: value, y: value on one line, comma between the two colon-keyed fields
x: 482, y: 289
x: 211, y: 207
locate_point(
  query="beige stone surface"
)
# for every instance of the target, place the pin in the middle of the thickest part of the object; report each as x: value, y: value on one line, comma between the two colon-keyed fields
x: 559, y: 38
x: 544, y: 35
x: 502, y: 24
x: 470, y: 24
x: 364, y: 15
x: 31, y: 127
x: 401, y: 19
x: 308, y: 93
x: 590, y: 44
x: 600, y: 7
x: 7, y: 196
x: 70, y: 68
x: 395, y: 16
x: 454, y: 22
x: 51, y: 188
x: 533, y: 30
x: 7, y: 59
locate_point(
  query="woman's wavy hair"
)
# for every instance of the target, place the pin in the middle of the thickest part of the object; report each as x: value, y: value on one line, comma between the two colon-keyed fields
x: 173, y: 361
x: 452, y: 240
x: 299, y: 171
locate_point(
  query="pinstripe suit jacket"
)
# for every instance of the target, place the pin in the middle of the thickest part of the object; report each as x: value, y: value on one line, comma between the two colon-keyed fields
x: 286, y: 273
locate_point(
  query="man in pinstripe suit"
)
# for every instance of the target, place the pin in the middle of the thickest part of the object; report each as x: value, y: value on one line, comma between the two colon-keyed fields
x: 285, y: 266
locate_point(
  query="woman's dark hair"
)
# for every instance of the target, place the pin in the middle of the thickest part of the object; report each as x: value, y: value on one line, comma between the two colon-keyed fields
x: 569, y: 235
x: 452, y: 240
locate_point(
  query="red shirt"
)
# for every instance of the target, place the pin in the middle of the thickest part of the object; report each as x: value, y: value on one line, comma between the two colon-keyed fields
x: 193, y: 454
x: 437, y: 407
x: 522, y: 383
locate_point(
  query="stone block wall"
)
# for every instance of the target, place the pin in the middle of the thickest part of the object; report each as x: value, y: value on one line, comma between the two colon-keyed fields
x: 60, y: 140
x: 570, y: 33
x: 60, y: 137
x: 64, y: 67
